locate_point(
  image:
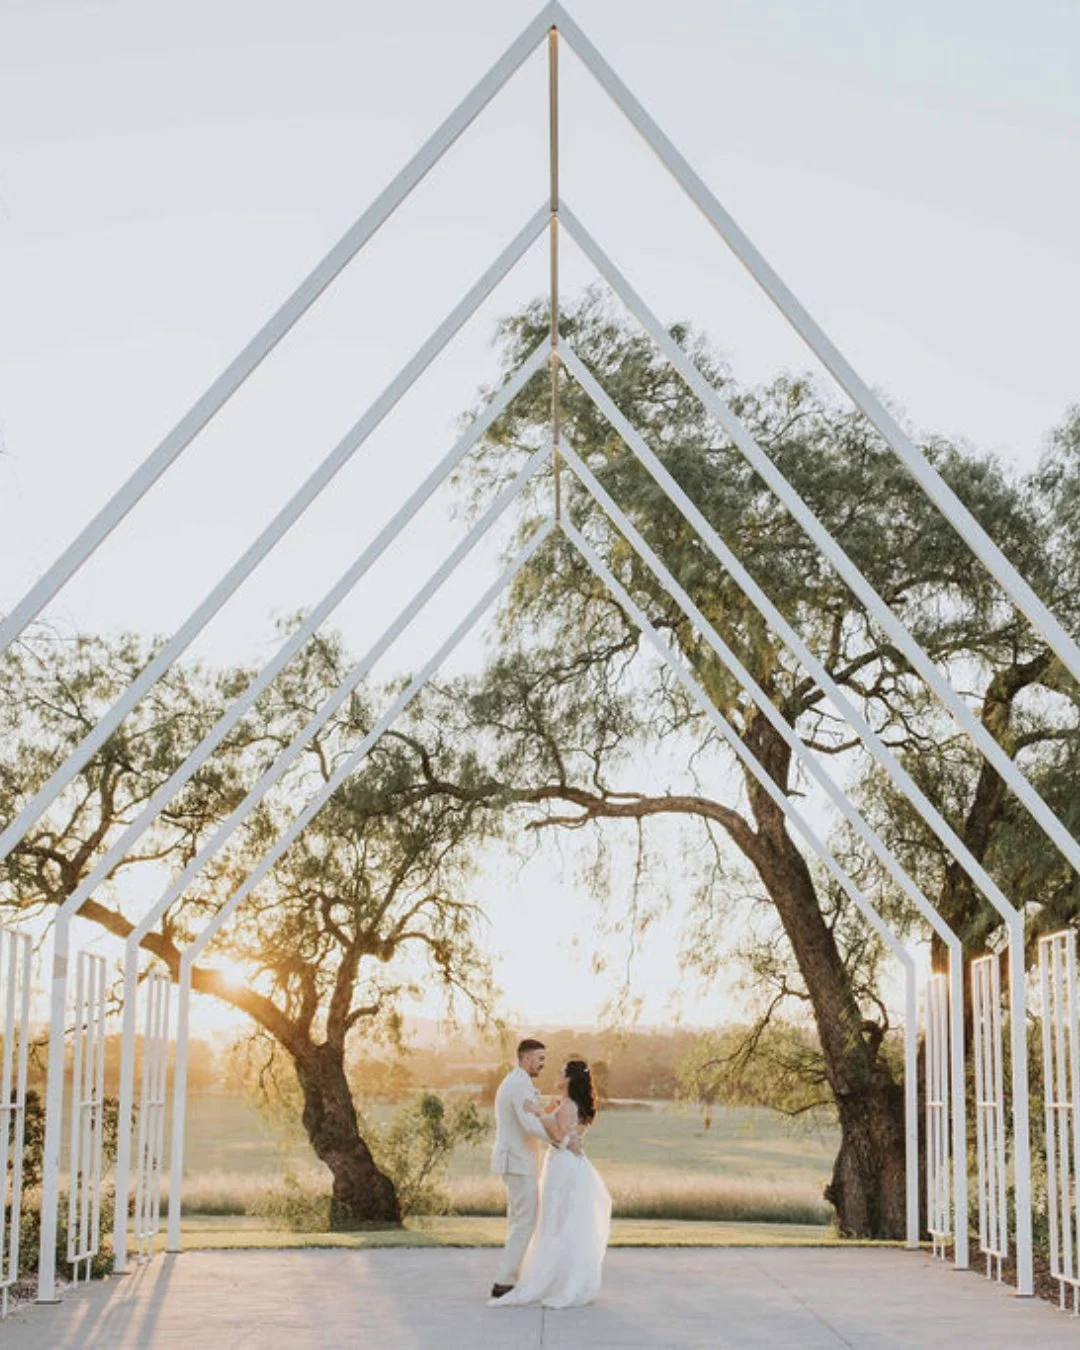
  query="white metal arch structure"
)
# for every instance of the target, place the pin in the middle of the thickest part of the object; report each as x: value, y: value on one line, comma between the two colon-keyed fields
x: 551, y: 18
x: 935, y: 487
x: 835, y: 554
x: 289, y: 514
x: 272, y: 535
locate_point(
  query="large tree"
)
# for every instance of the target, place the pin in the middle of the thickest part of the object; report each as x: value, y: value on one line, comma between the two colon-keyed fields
x: 368, y: 906
x: 573, y: 723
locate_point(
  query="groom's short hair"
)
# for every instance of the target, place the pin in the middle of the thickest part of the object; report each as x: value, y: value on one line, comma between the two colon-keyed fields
x: 527, y: 1045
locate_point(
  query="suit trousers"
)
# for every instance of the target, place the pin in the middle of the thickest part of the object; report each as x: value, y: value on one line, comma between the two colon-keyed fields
x: 522, y: 1198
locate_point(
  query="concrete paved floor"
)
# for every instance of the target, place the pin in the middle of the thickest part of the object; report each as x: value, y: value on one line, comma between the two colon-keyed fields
x: 718, y: 1298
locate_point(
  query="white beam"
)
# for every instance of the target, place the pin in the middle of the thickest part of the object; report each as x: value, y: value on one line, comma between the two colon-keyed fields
x: 817, y: 532
x: 274, y: 532
x: 843, y: 803
x: 275, y: 328
x: 935, y: 487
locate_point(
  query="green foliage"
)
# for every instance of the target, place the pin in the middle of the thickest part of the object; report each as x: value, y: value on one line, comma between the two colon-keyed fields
x: 34, y: 1135
x: 414, y: 1148
x: 777, y: 1065
x: 30, y: 1236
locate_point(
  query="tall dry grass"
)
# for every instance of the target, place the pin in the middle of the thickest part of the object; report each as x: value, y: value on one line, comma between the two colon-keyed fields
x: 636, y: 1194
x: 664, y: 1193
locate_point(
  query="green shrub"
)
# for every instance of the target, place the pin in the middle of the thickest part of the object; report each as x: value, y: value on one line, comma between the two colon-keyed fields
x: 415, y: 1147
x: 30, y: 1236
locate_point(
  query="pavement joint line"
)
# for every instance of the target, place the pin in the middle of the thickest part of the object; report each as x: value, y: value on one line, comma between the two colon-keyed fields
x: 841, y: 1338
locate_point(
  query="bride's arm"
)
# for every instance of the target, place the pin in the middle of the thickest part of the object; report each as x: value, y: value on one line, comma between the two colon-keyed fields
x: 559, y: 1123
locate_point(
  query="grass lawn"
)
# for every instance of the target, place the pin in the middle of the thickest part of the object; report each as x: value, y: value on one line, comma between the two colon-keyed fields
x: 233, y: 1233
x: 226, y: 1134
x: 659, y: 1163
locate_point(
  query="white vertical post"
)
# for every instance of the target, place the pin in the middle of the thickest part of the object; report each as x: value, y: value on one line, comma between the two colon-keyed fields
x: 87, y: 1111
x: 1061, y: 1091
x: 152, y: 1108
x: 15, y: 1024
x: 989, y: 1111
x: 179, y: 1116
x: 938, y: 1198
x: 128, y: 1028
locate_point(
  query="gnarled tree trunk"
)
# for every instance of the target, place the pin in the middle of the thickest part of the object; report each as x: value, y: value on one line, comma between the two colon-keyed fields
x: 868, y: 1182
x: 361, y: 1195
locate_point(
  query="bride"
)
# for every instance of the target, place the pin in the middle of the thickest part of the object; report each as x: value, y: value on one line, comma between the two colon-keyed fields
x: 562, y: 1264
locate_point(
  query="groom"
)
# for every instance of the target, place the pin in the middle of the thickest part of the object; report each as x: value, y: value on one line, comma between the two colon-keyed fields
x: 515, y: 1157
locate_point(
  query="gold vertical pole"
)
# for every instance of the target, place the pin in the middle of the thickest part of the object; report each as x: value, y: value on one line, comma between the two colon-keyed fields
x: 553, y: 156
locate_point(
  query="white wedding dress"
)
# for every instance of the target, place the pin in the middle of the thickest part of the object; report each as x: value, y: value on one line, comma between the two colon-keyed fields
x: 562, y: 1265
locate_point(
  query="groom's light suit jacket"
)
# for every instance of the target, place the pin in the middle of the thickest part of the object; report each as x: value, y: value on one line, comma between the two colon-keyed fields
x: 518, y: 1135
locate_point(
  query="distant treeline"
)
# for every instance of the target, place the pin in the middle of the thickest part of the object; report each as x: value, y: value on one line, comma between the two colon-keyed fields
x: 639, y: 1064
x: 207, y: 1071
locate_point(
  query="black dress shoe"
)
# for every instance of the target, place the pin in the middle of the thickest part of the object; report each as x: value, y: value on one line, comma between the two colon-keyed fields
x: 497, y: 1290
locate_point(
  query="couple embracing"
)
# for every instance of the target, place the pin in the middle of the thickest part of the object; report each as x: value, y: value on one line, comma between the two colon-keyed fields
x: 558, y: 1213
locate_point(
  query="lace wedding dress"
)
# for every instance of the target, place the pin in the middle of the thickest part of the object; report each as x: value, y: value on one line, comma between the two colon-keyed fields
x: 562, y: 1265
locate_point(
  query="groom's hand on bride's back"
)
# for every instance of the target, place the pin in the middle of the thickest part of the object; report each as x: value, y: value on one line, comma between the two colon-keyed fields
x: 573, y: 1143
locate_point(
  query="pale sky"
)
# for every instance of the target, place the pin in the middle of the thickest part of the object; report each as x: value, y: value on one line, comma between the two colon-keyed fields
x: 168, y: 173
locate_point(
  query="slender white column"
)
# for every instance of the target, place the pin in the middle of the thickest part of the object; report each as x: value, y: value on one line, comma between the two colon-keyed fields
x: 935, y: 487
x: 939, y: 1219
x: 271, y: 333
x: 275, y: 531
x: 285, y: 841
x: 179, y: 1111
x: 989, y: 1111
x: 15, y: 981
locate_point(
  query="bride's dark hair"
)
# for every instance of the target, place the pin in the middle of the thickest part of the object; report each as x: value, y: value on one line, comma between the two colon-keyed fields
x: 579, y: 1088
